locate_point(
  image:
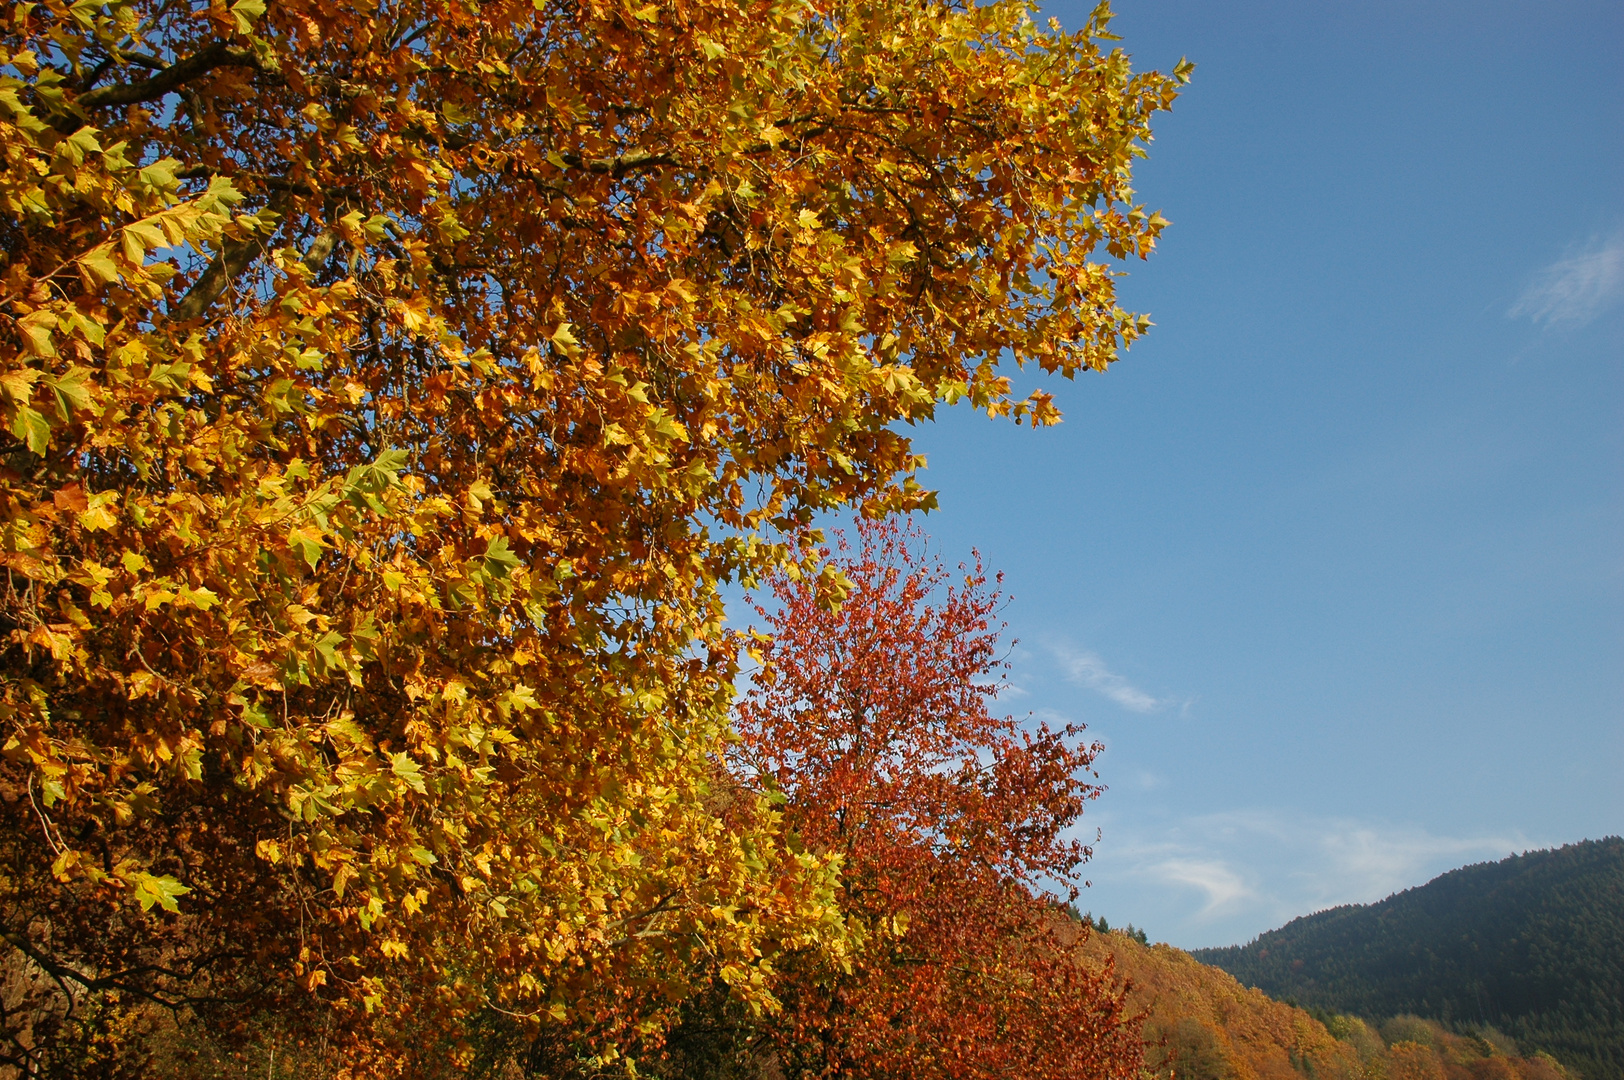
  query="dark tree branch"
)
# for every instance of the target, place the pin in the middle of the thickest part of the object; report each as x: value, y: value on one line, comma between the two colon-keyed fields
x: 619, y: 166
x: 62, y: 974
x: 227, y: 266
x: 171, y: 78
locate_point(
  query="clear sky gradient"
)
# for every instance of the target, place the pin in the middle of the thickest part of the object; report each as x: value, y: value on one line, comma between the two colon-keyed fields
x: 1333, y: 561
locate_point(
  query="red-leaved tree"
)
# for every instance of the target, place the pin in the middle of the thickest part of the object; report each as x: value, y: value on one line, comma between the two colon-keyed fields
x: 875, y: 721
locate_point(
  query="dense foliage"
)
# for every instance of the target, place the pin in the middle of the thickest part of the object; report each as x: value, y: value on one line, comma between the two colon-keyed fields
x: 1532, y: 945
x: 387, y: 391
x: 874, y: 723
x: 1200, y: 1024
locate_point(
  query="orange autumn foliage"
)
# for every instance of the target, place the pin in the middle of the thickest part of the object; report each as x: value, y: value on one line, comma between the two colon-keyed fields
x: 874, y: 722
x: 1201, y: 1024
x: 1414, y: 1061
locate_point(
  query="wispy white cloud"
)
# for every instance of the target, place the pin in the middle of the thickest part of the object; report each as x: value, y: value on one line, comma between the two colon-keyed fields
x: 1088, y: 669
x: 1222, y: 885
x: 1343, y: 860
x: 1573, y: 291
x: 1232, y: 874
x: 1359, y: 863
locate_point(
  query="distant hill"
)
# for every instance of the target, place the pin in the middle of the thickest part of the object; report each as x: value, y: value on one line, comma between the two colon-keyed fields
x: 1200, y: 1024
x: 1532, y: 946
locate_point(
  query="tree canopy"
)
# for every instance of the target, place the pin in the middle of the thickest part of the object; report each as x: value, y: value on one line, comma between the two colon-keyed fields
x: 875, y: 721
x: 388, y: 390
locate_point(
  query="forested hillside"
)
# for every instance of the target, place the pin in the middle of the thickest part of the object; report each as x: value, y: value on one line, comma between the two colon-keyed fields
x: 1201, y: 1024
x: 1532, y: 945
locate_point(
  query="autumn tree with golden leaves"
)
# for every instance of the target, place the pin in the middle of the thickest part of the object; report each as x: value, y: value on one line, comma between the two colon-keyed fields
x: 389, y: 387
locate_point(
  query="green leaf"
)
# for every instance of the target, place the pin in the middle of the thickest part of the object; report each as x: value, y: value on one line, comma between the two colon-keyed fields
x: 96, y: 515
x: 84, y: 13
x: 391, y: 461
x: 160, y: 175
x: 174, y: 377
x: 247, y: 12
x: 98, y: 267
x: 18, y: 386
x: 135, y: 246
x: 160, y: 890
x: 307, y: 543
x: 409, y: 771
x: 32, y: 429
x: 71, y: 390
x: 327, y: 649
x: 364, y: 638
x: 347, y: 731
x: 521, y: 698
x: 36, y: 330
x: 200, y: 598
x: 84, y: 140
x: 500, y: 559
x: 89, y: 329
x: 382, y: 473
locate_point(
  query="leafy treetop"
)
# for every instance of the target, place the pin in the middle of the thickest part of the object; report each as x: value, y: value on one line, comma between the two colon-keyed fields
x: 387, y: 389
x: 874, y: 722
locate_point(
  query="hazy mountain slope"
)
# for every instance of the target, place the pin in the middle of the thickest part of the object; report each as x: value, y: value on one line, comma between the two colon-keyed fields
x: 1201, y: 1024
x: 1532, y: 945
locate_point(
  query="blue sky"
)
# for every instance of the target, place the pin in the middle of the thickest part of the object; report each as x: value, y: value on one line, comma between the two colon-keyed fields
x: 1333, y: 561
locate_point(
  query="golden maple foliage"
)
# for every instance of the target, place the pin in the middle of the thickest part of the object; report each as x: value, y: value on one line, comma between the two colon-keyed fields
x: 389, y: 388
